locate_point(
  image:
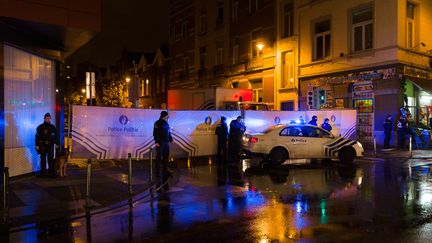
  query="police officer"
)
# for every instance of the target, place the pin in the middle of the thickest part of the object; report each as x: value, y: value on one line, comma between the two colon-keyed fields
x: 314, y: 120
x: 388, y: 126
x: 162, y: 137
x: 401, y: 130
x: 222, y: 135
x: 236, y: 131
x: 326, y: 125
x: 45, y: 139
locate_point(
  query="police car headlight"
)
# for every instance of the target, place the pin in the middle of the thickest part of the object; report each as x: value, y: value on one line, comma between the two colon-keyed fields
x: 359, y: 144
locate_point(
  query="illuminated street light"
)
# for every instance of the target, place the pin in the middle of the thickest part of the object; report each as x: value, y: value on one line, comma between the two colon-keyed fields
x: 260, y: 46
x: 83, y: 91
x: 127, y: 80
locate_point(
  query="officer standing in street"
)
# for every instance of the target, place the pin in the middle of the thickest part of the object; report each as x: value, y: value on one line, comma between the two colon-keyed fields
x: 222, y: 135
x: 401, y: 130
x: 45, y: 140
x: 326, y: 125
x: 236, y: 131
x: 314, y: 120
x: 388, y: 126
x: 162, y: 137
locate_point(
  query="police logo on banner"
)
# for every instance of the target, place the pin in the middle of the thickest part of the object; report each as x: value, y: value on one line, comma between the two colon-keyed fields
x: 277, y: 120
x: 123, y: 120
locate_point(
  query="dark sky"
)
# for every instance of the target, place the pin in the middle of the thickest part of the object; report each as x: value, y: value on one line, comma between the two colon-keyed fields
x: 141, y: 25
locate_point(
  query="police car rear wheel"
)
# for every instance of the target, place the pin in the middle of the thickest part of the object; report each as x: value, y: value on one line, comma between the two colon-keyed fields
x: 278, y: 155
x: 347, y: 155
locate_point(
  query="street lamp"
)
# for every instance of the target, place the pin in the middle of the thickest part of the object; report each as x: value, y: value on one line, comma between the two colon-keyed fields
x: 260, y: 46
x: 127, y: 80
x: 83, y: 91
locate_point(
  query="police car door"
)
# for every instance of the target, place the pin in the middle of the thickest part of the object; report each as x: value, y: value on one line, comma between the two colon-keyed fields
x: 295, y: 142
x: 316, y: 139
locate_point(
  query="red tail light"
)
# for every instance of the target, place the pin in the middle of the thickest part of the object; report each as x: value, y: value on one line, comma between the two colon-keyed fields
x: 253, y: 140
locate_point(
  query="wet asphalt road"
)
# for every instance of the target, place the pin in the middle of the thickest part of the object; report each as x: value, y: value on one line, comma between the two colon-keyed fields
x: 369, y: 201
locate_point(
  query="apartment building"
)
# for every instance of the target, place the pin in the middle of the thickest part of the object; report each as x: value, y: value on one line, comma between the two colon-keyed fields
x: 223, y: 43
x: 373, y: 56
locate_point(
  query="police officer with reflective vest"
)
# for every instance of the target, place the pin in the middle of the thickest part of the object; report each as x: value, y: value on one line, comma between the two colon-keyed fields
x: 401, y: 130
x: 45, y: 139
x: 162, y: 137
x: 222, y: 135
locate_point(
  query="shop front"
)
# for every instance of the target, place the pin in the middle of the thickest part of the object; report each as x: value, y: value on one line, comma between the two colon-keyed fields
x: 374, y: 93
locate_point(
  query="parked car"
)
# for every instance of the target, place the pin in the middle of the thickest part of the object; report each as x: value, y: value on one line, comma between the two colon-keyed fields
x: 283, y: 142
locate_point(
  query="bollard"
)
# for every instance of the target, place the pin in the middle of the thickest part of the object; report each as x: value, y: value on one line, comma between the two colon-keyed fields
x: 410, y: 146
x: 130, y: 174
x: 375, y: 148
x: 151, y: 166
x: 5, y: 204
x: 151, y: 172
x: 88, y: 183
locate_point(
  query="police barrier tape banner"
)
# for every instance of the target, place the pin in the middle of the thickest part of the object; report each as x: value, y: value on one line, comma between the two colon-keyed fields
x: 112, y: 133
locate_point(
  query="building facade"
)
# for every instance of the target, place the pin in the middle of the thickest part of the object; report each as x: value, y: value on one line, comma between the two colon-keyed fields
x: 369, y: 55
x: 215, y: 44
x: 35, y: 38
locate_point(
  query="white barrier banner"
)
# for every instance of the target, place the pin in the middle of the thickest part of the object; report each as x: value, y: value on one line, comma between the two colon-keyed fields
x: 112, y: 133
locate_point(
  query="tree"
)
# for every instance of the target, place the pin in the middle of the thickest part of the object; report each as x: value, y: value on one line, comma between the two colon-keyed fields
x: 113, y: 94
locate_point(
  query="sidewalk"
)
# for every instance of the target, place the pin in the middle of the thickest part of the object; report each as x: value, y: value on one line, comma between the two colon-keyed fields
x: 398, y: 153
x: 33, y: 199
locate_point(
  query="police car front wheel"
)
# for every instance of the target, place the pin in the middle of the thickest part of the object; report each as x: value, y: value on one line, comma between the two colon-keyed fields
x: 278, y: 155
x: 347, y: 155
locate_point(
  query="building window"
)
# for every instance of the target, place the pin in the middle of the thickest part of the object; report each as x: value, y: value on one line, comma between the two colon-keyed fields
x: 219, y: 57
x: 235, y: 11
x: 288, y: 23
x: 253, y: 6
x: 220, y: 12
x: 410, y: 24
x: 142, y: 87
x: 288, y: 70
x: 163, y: 86
x: 172, y: 34
x: 147, y: 88
x: 362, y: 30
x: 184, y: 30
x: 322, y: 40
x: 235, y: 54
x: 158, y: 86
x: 255, y: 36
x: 203, y: 55
x: 203, y: 23
x: 186, y: 64
x: 257, y: 89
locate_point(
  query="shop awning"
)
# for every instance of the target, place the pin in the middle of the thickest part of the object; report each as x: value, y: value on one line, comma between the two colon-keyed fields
x: 422, y: 84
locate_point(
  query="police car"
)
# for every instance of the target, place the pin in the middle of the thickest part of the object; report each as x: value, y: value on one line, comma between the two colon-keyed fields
x: 284, y: 142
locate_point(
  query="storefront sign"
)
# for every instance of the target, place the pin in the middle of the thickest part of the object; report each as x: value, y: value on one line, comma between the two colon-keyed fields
x: 416, y: 72
x: 360, y: 88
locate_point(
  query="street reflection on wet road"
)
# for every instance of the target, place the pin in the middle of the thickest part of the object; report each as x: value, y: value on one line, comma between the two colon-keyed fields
x: 241, y: 202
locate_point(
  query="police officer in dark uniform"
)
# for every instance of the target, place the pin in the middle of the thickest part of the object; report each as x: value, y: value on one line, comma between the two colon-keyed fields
x: 162, y: 138
x: 401, y: 130
x: 326, y: 125
x: 236, y: 131
x: 388, y: 127
x: 222, y: 135
x: 314, y: 120
x: 46, y: 138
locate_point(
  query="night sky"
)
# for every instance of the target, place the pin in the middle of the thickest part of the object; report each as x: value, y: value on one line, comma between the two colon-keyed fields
x: 141, y: 25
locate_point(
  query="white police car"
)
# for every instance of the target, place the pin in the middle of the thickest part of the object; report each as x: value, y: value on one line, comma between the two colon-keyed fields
x: 284, y: 142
